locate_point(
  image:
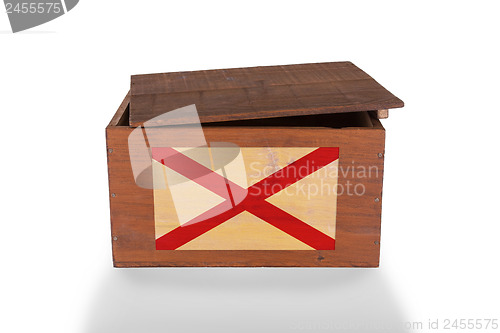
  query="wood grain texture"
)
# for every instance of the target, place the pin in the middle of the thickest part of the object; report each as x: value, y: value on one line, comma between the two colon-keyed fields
x: 312, y: 198
x: 358, y: 217
x: 259, y: 92
x: 383, y: 114
x: 119, y: 116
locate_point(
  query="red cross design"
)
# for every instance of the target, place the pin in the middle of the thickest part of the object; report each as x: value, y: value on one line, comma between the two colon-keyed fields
x: 254, y: 198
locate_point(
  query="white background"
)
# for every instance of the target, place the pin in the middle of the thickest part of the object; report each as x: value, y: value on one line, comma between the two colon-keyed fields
x: 60, y: 84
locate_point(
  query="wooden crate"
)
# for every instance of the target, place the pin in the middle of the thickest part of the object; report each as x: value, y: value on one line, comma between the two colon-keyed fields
x: 271, y: 122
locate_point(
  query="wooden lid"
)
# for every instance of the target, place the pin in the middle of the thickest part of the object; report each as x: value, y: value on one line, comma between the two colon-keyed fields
x: 258, y: 92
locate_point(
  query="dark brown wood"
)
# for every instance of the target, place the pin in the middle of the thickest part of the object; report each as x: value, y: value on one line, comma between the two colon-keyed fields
x: 121, y: 113
x: 258, y: 92
x: 358, y: 217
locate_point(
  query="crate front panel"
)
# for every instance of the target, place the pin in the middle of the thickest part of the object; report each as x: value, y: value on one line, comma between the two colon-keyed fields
x: 356, y: 222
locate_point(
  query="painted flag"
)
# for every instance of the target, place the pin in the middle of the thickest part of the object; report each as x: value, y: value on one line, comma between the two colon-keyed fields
x: 224, y: 197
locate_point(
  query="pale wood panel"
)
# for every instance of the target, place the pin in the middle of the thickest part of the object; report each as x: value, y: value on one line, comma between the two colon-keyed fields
x: 245, y: 232
x: 312, y: 199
